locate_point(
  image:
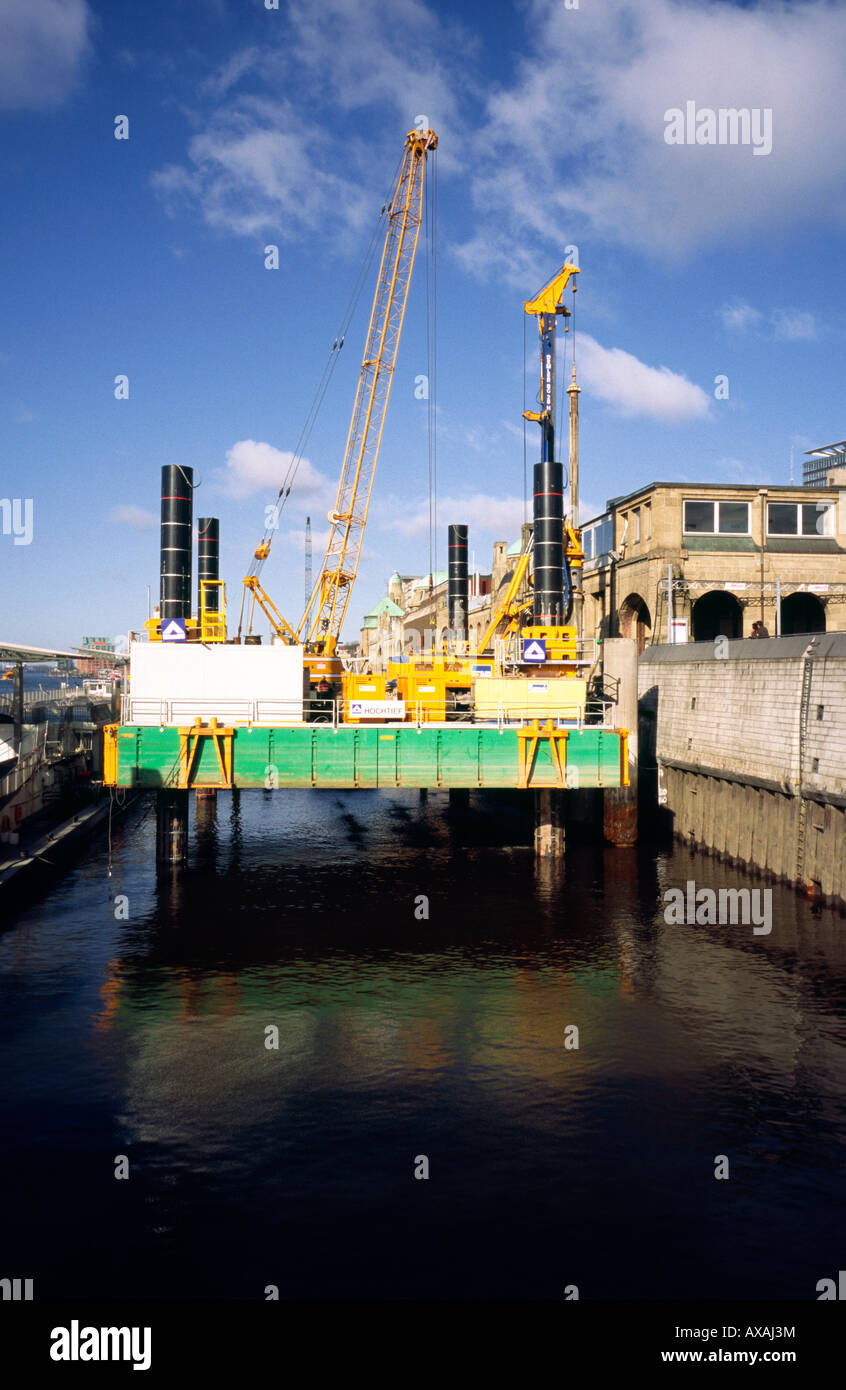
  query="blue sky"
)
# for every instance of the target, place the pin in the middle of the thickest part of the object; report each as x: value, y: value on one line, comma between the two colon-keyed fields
x: 250, y: 126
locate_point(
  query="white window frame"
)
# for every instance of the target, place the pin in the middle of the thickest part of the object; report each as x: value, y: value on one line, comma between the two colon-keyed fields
x: 716, y: 502
x: 799, y: 534
x: 593, y: 530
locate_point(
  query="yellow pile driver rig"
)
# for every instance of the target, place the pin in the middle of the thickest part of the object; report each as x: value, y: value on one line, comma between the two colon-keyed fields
x: 518, y: 664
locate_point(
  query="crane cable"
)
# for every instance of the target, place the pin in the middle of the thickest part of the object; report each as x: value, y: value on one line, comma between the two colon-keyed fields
x: 525, y: 424
x: 571, y: 334
x: 327, y: 374
x: 431, y: 214
x: 573, y: 316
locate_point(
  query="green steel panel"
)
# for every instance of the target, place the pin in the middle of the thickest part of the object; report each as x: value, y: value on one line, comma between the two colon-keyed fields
x: 419, y: 758
x: 366, y: 760
x: 369, y: 756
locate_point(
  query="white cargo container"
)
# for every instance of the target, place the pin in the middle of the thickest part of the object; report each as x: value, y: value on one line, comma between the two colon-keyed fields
x: 175, y: 683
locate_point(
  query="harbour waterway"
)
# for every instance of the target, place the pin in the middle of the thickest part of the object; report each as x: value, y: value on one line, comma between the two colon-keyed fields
x: 425, y: 974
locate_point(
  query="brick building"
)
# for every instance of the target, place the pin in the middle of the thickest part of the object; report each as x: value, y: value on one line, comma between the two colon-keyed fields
x: 98, y: 652
x: 733, y: 552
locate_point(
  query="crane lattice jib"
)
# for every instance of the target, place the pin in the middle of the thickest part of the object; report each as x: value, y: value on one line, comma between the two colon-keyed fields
x: 324, y: 617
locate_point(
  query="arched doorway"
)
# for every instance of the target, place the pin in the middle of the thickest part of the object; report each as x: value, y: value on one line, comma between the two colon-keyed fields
x: 716, y: 614
x: 635, y: 620
x: 802, y: 613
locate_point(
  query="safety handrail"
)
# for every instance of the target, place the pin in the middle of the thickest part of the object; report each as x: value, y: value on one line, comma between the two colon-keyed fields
x: 181, y: 712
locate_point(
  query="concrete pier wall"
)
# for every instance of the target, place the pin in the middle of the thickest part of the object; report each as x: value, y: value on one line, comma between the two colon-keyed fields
x: 744, y: 747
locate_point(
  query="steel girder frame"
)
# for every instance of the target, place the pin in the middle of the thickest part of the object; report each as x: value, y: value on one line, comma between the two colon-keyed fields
x: 350, y: 756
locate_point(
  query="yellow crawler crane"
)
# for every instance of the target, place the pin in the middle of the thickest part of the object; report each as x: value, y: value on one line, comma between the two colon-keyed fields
x: 320, y: 626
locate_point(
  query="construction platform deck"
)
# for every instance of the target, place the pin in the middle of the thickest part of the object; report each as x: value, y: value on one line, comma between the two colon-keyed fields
x: 535, y: 755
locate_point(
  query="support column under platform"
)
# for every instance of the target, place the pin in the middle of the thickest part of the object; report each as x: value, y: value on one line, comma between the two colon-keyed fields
x: 619, y: 657
x: 550, y: 838
x: 171, y: 827
x: 620, y: 816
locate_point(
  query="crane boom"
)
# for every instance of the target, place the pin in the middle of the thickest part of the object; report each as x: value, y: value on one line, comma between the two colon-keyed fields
x: 323, y: 619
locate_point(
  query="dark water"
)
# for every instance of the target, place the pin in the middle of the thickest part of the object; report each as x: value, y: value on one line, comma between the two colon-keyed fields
x: 401, y: 1037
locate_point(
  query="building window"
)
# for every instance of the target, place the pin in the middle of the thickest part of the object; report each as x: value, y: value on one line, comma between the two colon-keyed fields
x: 647, y: 511
x: 636, y: 526
x: 800, y: 519
x: 716, y: 518
x: 598, y: 538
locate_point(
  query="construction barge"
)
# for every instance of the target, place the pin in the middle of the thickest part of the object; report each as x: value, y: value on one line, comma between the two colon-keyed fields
x: 207, y: 709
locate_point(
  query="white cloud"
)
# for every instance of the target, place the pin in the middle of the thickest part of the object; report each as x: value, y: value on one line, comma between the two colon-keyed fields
x: 500, y: 517
x: 229, y: 74
x: 793, y: 324
x: 259, y: 168
x: 588, y: 510
x: 44, y: 45
x: 595, y: 144
x: 550, y: 163
x: 739, y: 317
x: 136, y: 517
x: 403, y: 54
x: 633, y: 388
x: 789, y: 325
x: 253, y: 466
x: 265, y: 163
x: 498, y: 255
x: 319, y: 541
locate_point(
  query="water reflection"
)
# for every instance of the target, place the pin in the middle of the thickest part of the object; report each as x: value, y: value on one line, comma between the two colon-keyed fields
x: 443, y: 1036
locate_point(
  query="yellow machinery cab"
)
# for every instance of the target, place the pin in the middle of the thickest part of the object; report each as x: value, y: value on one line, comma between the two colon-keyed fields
x: 360, y: 687
x: 550, y: 689
x: 432, y: 693
x: 320, y: 668
x: 560, y: 643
